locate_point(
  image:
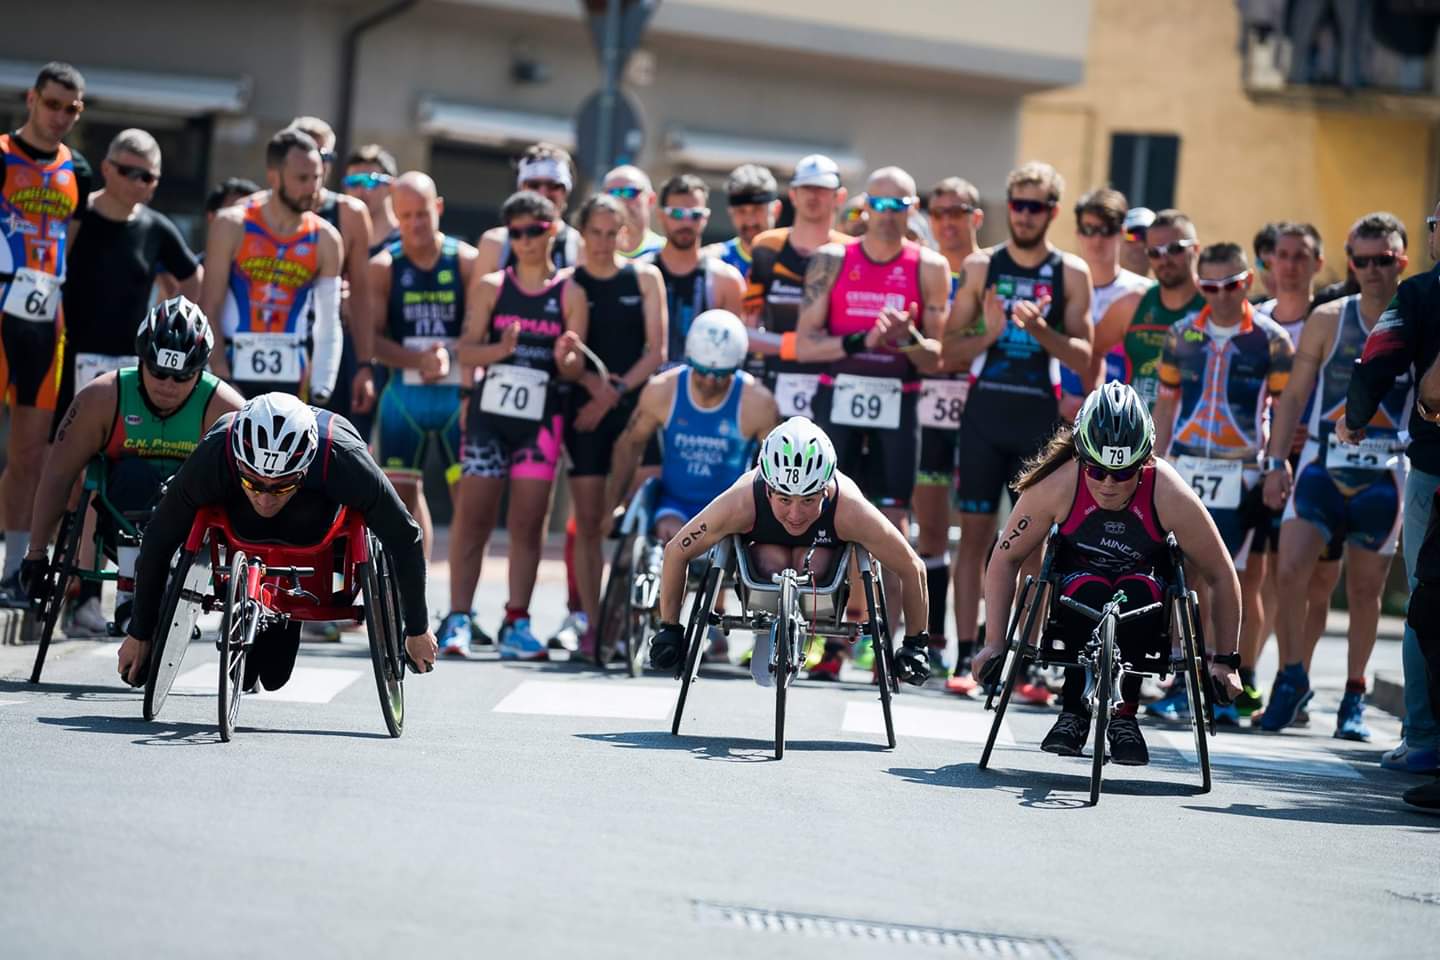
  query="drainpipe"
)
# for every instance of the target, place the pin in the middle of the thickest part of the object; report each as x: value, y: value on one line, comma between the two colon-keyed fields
x: 349, y: 55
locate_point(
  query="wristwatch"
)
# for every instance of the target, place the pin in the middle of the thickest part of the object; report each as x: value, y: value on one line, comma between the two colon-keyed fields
x: 1231, y: 660
x: 1269, y: 464
x: 1425, y: 412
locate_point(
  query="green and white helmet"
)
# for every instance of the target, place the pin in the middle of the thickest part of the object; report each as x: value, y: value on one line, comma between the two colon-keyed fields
x: 797, y: 458
x: 1114, y: 430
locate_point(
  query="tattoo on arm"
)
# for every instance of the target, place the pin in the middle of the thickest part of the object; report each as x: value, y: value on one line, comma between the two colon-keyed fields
x: 692, y: 536
x: 820, y: 276
x: 1015, y: 532
x: 67, y: 423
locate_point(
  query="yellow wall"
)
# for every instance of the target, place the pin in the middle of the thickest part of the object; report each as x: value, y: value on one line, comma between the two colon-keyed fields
x: 1175, y: 69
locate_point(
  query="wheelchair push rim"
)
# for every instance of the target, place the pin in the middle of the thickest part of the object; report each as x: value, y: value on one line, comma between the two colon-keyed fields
x: 57, y: 579
x: 702, y: 603
x: 382, y: 625
x: 237, y: 635
x: 179, y: 610
x: 1104, y: 693
x: 613, y: 602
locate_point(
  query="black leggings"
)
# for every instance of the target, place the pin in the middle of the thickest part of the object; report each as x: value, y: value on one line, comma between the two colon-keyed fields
x: 1424, y: 618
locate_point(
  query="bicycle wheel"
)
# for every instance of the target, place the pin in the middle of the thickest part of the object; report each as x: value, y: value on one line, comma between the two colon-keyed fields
x: 237, y: 633
x: 179, y: 609
x: 613, y: 601
x: 700, y: 609
x: 57, y: 578
x: 880, y: 643
x: 382, y: 625
x: 1103, y: 694
x: 1191, y: 650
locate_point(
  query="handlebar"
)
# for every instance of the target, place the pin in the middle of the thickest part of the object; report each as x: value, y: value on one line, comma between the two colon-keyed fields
x: 801, y: 579
x: 1109, y: 608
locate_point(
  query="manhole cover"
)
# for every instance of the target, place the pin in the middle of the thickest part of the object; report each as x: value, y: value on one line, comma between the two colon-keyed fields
x: 969, y: 943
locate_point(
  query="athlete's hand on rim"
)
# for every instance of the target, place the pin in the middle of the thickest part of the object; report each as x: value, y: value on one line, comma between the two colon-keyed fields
x: 132, y: 659
x: 421, y: 649
x: 982, y: 656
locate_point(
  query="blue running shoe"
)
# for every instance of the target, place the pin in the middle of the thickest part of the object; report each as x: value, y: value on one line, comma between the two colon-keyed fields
x: 1290, y: 692
x: 1350, y: 718
x: 1408, y: 759
x: 1175, y: 705
x: 453, y: 637
x: 1227, y: 715
x: 518, y: 643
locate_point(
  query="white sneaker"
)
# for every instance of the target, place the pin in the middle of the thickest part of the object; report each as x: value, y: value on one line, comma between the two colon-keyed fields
x: 568, y: 636
x: 88, y: 620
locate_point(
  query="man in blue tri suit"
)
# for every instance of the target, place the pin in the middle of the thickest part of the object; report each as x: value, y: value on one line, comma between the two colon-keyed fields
x: 754, y: 199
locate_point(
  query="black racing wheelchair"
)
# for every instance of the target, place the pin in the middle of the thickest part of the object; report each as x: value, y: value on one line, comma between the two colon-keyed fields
x: 1180, y: 651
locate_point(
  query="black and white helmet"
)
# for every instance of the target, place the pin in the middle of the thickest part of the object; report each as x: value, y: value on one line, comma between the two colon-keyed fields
x: 717, y: 341
x: 275, y: 435
x: 797, y: 458
x: 174, y: 339
x: 1114, y: 430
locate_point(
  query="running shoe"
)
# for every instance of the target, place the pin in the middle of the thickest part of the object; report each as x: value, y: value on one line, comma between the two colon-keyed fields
x: 478, y: 637
x: 938, y: 666
x: 1127, y: 745
x: 1174, y: 706
x: 1250, y: 701
x: 1034, y: 694
x: 88, y: 620
x: 826, y: 668
x: 1425, y: 797
x: 315, y: 631
x: 717, y: 648
x: 585, y: 645
x: 1150, y: 690
x: 518, y: 643
x: 1067, y: 738
x: 864, y: 654
x: 962, y: 684
x: 568, y: 636
x: 1407, y: 759
x: 453, y: 636
x: 11, y: 595
x: 1290, y: 692
x: 1227, y: 715
x: 1350, y: 718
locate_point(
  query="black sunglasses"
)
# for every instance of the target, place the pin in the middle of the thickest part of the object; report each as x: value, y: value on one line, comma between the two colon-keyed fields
x: 536, y: 229
x: 160, y: 373
x: 1100, y: 474
x: 1379, y: 259
x: 1090, y: 230
x: 138, y: 174
x: 1030, y: 206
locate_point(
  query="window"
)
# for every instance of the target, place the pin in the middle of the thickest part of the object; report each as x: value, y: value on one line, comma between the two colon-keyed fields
x: 1142, y: 166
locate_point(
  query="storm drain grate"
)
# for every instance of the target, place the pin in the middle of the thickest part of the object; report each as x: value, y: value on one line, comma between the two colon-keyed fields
x: 967, y: 943
x: 1433, y: 899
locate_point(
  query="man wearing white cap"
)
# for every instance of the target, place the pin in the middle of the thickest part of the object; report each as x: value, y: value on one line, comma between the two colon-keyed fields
x: 1132, y: 247
x: 547, y: 170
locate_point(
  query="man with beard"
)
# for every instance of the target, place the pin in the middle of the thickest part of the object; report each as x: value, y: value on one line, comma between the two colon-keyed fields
x: 693, y: 284
x: 1032, y: 306
x: 754, y: 204
x: 369, y: 172
x: 281, y: 257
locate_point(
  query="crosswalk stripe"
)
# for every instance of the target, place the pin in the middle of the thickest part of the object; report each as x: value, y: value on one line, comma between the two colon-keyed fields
x: 580, y: 698
x: 9, y: 703
x: 1264, y: 753
x: 925, y: 722
x: 306, y: 684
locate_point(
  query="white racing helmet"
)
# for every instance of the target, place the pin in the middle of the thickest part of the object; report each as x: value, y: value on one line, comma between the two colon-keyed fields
x: 275, y: 435
x: 717, y: 341
x: 797, y: 458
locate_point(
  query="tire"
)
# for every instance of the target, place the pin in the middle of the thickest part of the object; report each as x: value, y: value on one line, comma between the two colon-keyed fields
x: 1104, y: 685
x: 613, y: 602
x: 1192, y: 651
x: 387, y: 645
x: 639, y: 621
x: 703, y: 602
x: 179, y: 609
x: 237, y: 636
x: 781, y: 634
x: 57, y: 578
x: 880, y: 642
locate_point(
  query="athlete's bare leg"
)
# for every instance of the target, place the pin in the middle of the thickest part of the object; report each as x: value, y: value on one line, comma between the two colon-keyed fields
x: 525, y: 520
x: 1322, y: 588
x: 25, y: 452
x: 477, y: 510
x: 1364, y: 583
x: 587, y: 500
x: 977, y: 533
x: 931, y: 506
x: 1252, y: 613
x: 1300, y: 546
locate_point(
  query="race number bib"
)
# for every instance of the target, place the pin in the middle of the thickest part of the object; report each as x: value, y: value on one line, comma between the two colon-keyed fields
x: 33, y: 295
x: 88, y: 366
x: 1218, y: 483
x: 267, y: 357
x: 1370, y: 454
x: 942, y: 402
x: 795, y: 392
x: 866, y: 402
x: 452, y: 378
x: 511, y: 391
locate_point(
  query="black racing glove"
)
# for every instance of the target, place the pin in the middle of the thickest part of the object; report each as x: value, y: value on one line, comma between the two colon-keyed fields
x: 666, y: 646
x: 32, y: 577
x: 912, y: 663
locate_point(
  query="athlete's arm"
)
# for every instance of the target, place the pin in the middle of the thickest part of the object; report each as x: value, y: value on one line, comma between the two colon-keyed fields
x: 729, y: 288
x: 935, y: 298
x: 327, y: 335
x: 859, y: 522
x: 569, y: 361
x: 977, y: 317
x: 81, y: 436
x: 225, y: 399
x: 472, y: 350
x: 731, y: 512
x: 649, y: 416
x: 759, y: 413
x: 812, y: 343
x: 1390, y: 349
x: 355, y: 226
x: 652, y: 288
x: 1167, y: 398
x: 386, y: 350
x: 1070, y: 341
x: 221, y: 242
x: 1315, y: 339
x: 1110, y: 332
x: 1030, y: 520
x: 492, y: 241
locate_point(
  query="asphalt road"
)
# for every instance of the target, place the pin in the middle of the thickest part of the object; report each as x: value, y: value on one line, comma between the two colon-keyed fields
x: 544, y: 810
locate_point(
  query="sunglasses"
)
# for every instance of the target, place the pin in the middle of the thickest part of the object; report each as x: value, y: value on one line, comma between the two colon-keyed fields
x: 852, y: 214
x: 160, y: 373
x: 138, y: 174
x: 625, y: 193
x: 1135, y: 236
x: 1232, y: 282
x: 74, y: 108
x: 945, y: 213
x: 1173, y: 248
x: 1030, y: 206
x: 687, y: 213
x: 1430, y: 222
x: 327, y: 156
x: 366, y: 181
x: 542, y: 185
x: 537, y: 229
x: 1090, y: 230
x: 890, y: 204
x: 1100, y: 474
x: 1379, y: 260
x: 277, y: 490
x: 719, y: 373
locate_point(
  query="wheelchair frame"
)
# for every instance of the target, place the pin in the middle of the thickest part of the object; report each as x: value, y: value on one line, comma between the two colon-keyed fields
x: 629, y: 604
x: 1101, y: 659
x: 787, y: 618
x: 257, y: 585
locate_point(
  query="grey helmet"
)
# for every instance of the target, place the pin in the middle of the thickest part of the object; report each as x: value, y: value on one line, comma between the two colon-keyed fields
x: 1114, y: 429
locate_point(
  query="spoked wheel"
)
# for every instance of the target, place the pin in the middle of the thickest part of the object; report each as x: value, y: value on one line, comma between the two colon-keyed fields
x: 1192, y: 650
x: 387, y: 643
x: 695, y: 631
x: 639, y: 610
x: 1104, y: 686
x: 237, y: 636
x: 1014, y: 653
x: 57, y: 578
x: 613, y: 621
x: 880, y: 643
x: 179, y: 609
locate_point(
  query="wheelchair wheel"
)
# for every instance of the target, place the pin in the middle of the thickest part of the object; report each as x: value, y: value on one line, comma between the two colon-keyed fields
x: 387, y: 644
x: 639, y: 610
x: 1104, y: 693
x: 780, y: 637
x: 613, y: 603
x: 57, y: 578
x: 237, y: 636
x: 695, y: 630
x: 179, y: 609
x: 880, y: 643
x: 1192, y: 650
x: 1014, y: 653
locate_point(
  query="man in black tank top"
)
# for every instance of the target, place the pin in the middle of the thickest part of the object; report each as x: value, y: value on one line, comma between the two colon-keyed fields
x: 693, y: 284
x: 1020, y: 310
x: 369, y: 172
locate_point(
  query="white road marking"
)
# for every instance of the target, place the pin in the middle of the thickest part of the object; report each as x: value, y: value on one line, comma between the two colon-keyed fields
x: 8, y: 703
x: 581, y: 698
x: 926, y: 722
x: 306, y: 684
x: 1257, y: 752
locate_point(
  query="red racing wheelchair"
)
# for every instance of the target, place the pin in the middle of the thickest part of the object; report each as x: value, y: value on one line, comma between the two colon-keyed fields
x: 259, y: 585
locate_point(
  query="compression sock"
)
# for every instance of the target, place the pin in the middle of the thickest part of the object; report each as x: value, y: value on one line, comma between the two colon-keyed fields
x: 16, y: 543
x: 1355, y: 685
x: 570, y: 584
x: 937, y: 584
x: 516, y: 613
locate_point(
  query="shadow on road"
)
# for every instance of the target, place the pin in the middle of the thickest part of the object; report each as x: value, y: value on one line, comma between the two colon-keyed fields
x: 165, y: 733
x: 96, y: 692
x: 733, y: 749
x: 1045, y: 789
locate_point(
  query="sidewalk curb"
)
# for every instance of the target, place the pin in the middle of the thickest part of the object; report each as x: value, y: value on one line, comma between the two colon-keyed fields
x: 1388, y: 694
x: 12, y: 627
